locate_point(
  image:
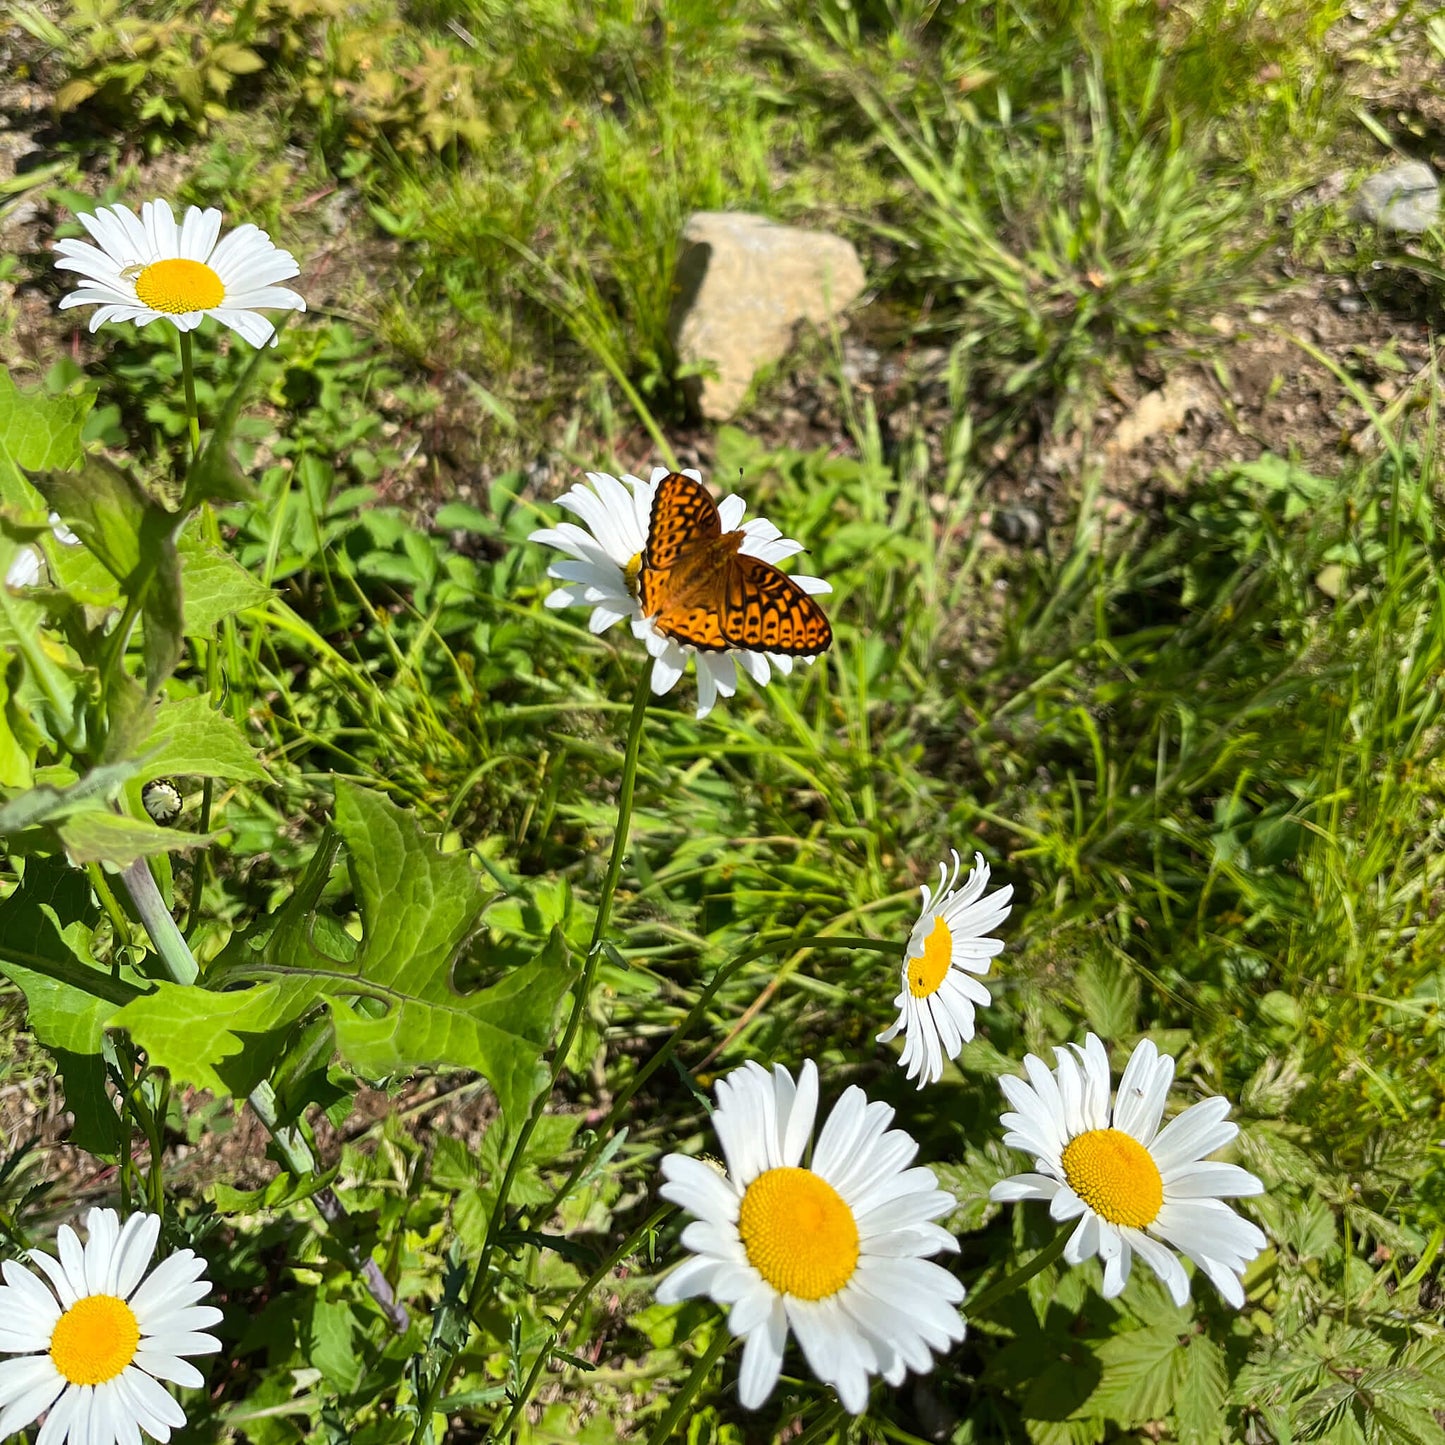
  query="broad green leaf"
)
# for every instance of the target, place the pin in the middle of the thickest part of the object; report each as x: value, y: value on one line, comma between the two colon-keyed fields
x: 105, y: 507
x: 218, y: 1041
x: 17, y: 767
x: 45, y: 928
x: 393, y: 1004
x: 135, y: 540
x: 193, y: 739
x: 215, y: 586
x: 330, y: 1347
x: 36, y: 431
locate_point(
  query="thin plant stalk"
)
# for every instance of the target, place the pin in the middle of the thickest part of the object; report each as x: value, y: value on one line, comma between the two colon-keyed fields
x: 690, y: 1386
x: 626, y: 790
x: 982, y: 1303
x: 791, y: 943
x: 181, y: 968
x: 574, y: 1304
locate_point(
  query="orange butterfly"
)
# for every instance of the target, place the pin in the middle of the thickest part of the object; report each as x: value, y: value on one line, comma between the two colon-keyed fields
x: 698, y: 588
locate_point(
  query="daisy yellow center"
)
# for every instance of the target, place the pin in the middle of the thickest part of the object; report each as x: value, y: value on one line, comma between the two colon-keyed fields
x: 95, y: 1339
x: 1115, y: 1175
x: 798, y: 1233
x: 926, y: 974
x: 630, y: 571
x: 176, y: 286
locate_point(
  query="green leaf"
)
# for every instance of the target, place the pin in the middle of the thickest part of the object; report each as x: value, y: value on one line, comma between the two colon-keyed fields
x: 45, y: 928
x: 330, y: 1345
x: 36, y: 431
x: 1203, y: 1386
x: 113, y: 839
x: 193, y: 739
x: 215, y: 586
x: 1137, y: 1385
x: 48, y: 802
x: 393, y: 1004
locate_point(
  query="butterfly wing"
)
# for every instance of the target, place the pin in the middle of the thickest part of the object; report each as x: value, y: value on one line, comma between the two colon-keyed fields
x: 684, y: 516
x: 764, y: 610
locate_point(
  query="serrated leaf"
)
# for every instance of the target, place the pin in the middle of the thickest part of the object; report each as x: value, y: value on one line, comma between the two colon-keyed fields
x: 215, y: 585
x: 393, y: 1005
x: 1203, y: 1386
x: 1137, y: 1385
x: 36, y: 431
x: 193, y: 739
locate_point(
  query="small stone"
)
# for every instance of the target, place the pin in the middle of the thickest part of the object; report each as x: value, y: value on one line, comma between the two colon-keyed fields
x: 1404, y: 198
x: 743, y: 285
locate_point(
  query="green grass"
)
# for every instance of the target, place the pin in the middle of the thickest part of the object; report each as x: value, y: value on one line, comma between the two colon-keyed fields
x: 1206, y: 749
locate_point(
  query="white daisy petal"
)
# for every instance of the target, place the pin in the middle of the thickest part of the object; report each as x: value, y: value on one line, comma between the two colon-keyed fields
x: 184, y: 275
x: 1133, y: 1187
x: 853, y: 1284
x: 763, y: 1359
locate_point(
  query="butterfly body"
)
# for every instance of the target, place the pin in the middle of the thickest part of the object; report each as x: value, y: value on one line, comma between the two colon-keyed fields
x: 700, y: 588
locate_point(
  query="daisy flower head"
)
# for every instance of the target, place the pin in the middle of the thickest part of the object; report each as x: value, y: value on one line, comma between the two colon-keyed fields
x: 1134, y: 1188
x: 145, y: 268
x: 835, y: 1250
x: 93, y: 1346
x: 950, y: 944
x: 604, y: 566
x: 603, y: 556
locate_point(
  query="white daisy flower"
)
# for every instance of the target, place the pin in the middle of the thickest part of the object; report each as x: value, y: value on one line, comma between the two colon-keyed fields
x: 94, y: 1351
x: 1133, y: 1187
x: 606, y: 556
x: 949, y: 944
x: 146, y: 268
x: 834, y: 1250
x: 27, y: 565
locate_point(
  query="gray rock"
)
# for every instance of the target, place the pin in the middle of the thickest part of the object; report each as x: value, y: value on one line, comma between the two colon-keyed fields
x: 1404, y: 198
x: 743, y: 285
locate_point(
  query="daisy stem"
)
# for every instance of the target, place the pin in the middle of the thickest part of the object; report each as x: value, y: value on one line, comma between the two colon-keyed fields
x: 181, y: 967
x: 982, y: 1303
x: 188, y: 379
x: 784, y: 943
x: 437, y: 1385
x: 690, y: 1386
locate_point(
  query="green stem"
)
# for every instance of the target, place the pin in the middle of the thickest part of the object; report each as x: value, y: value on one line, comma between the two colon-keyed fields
x: 119, y: 923
x: 584, y: 984
x: 436, y: 1387
x: 789, y: 943
x: 188, y: 377
x: 181, y: 968
x: 982, y: 1303
x: 578, y: 1299
x: 691, y: 1386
